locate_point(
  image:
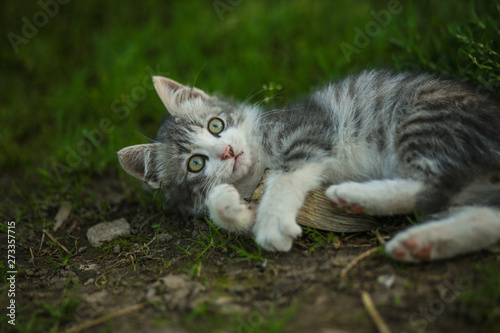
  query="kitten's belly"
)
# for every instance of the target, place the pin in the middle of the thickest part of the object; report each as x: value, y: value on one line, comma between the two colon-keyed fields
x: 361, y: 163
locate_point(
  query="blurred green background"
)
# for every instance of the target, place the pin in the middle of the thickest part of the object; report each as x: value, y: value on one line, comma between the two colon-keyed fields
x: 75, y: 75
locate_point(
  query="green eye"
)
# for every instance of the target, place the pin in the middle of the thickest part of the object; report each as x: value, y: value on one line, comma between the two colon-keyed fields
x: 215, y: 126
x: 196, y: 163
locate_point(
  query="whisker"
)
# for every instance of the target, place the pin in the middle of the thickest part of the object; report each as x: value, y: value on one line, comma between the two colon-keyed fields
x: 144, y: 136
x: 199, y: 72
x: 251, y: 96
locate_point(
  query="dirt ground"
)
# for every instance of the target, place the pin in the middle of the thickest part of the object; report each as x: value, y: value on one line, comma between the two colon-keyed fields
x: 181, y: 275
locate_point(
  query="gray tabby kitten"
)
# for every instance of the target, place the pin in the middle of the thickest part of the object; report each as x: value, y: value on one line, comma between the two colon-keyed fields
x: 386, y: 143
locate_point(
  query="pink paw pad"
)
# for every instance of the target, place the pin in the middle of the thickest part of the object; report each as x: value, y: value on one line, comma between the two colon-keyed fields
x: 424, y: 253
x: 398, y: 253
x: 357, y: 208
x: 350, y: 208
x: 411, y: 248
x: 410, y: 244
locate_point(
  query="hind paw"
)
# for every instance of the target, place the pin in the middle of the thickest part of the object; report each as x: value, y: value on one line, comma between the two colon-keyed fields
x: 404, y: 247
x: 407, y: 251
x: 347, y: 197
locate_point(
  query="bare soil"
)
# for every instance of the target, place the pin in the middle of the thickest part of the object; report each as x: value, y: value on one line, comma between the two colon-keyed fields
x: 183, y: 276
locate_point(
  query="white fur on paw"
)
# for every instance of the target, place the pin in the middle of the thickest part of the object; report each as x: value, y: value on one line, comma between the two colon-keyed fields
x: 350, y: 197
x: 465, y: 230
x: 376, y: 197
x: 227, y: 209
x: 277, y: 232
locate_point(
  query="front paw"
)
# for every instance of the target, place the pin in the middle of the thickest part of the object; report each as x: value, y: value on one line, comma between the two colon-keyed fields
x: 276, y: 232
x: 228, y: 211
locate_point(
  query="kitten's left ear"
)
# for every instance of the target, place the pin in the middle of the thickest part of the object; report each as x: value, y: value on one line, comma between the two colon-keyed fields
x: 141, y: 162
x: 173, y: 94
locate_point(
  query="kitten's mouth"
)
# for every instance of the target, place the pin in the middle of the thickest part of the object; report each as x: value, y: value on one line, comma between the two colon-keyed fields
x: 236, y: 165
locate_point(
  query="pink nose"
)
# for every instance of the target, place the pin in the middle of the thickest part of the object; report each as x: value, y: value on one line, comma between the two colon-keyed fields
x: 228, y: 153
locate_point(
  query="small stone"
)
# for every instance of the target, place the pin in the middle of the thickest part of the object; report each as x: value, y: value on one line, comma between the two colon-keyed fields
x: 117, y: 249
x: 106, y: 231
x: 41, y: 272
x: 88, y: 267
x: 230, y: 309
x: 386, y: 280
x: 89, y: 281
x: 164, y: 238
x: 176, y: 282
x: 99, y: 297
x: 151, y: 293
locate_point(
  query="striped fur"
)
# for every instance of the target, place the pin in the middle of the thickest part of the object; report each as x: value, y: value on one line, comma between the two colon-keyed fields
x: 374, y: 131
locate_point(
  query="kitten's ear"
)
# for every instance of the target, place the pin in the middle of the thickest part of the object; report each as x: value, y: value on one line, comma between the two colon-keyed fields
x: 140, y: 161
x: 173, y: 94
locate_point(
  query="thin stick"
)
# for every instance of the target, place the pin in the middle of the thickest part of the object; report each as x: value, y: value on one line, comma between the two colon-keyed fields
x: 32, y: 260
x: 374, y: 314
x: 104, y: 318
x: 62, y: 215
x: 381, y: 240
x: 355, y: 261
x: 41, y: 243
x: 55, y: 240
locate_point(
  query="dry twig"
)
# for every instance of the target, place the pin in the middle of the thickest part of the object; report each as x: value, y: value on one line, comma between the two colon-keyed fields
x: 355, y: 261
x: 62, y: 215
x: 55, y: 240
x: 41, y: 244
x: 104, y: 318
x: 32, y: 260
x: 380, y: 239
x: 374, y: 314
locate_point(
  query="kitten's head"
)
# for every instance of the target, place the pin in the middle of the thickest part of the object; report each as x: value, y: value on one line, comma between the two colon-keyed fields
x: 202, y: 143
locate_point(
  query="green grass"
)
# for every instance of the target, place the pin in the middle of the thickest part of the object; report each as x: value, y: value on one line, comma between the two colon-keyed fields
x: 199, y: 249
x: 320, y: 238
x: 74, y: 76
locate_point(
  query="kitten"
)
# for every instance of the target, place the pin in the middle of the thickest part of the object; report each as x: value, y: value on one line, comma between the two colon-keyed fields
x: 386, y: 143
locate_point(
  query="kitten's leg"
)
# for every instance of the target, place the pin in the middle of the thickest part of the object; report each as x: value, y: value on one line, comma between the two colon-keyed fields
x: 276, y: 227
x: 228, y: 211
x: 376, y: 197
x: 466, y: 230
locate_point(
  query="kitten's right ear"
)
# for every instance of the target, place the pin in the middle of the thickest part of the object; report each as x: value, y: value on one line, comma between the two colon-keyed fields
x: 173, y: 94
x: 140, y: 161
